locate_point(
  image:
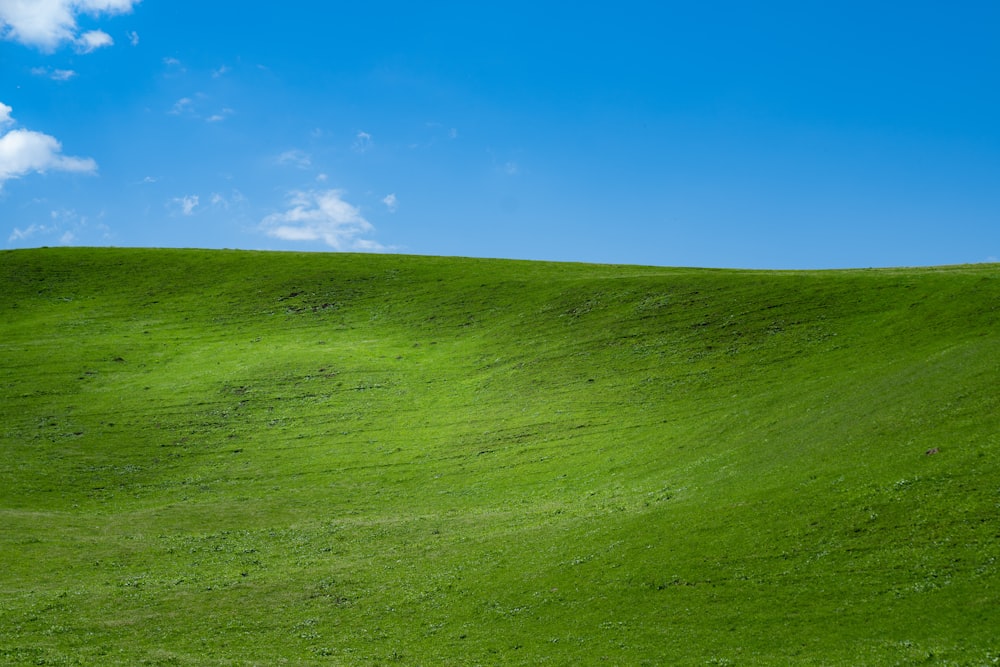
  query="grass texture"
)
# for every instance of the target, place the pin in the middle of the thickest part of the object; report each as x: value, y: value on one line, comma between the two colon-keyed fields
x: 240, y: 458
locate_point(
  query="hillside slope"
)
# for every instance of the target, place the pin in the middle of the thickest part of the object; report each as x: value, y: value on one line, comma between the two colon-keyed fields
x: 216, y: 457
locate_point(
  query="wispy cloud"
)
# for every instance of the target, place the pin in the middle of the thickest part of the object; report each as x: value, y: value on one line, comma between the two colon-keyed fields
x: 362, y: 142
x: 173, y: 68
x: 322, y: 215
x: 47, y: 24
x: 235, y: 198
x: 193, y: 108
x: 54, y: 74
x: 182, y: 106
x: 24, y: 151
x: 186, y: 204
x: 294, y: 158
x: 133, y: 38
x: 222, y: 115
x: 391, y: 202
x: 65, y: 226
x: 31, y: 230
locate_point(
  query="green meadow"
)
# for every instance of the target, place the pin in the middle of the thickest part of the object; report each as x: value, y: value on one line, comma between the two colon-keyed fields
x: 247, y: 458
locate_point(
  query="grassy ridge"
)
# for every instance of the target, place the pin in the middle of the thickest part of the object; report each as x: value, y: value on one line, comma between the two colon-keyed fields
x: 221, y: 457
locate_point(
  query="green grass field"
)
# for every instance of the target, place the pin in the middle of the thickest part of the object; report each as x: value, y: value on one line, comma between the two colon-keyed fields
x: 238, y: 458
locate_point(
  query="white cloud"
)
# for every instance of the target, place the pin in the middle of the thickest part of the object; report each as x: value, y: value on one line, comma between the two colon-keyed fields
x: 46, y: 24
x: 24, y: 151
x: 295, y: 158
x: 187, y: 204
x: 321, y: 215
x: 54, y: 74
x: 133, y: 38
x: 92, y: 40
x: 222, y: 71
x: 391, y: 202
x: 109, y: 6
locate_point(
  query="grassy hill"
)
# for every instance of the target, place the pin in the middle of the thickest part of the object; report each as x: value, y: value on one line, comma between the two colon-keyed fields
x: 237, y: 458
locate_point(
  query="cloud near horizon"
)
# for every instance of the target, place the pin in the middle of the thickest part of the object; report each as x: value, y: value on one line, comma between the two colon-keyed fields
x: 24, y: 151
x: 47, y: 24
x: 321, y: 215
x: 64, y: 226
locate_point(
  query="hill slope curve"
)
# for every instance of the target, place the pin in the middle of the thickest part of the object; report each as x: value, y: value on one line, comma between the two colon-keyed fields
x: 220, y: 457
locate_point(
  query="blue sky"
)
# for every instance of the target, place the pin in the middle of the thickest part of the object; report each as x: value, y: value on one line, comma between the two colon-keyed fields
x: 725, y: 134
